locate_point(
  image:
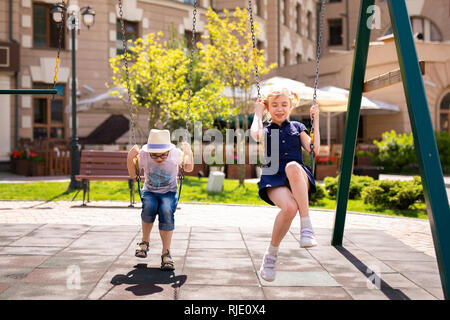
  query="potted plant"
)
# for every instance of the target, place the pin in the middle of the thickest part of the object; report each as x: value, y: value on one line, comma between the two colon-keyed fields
x: 19, y: 162
x: 37, y: 164
x: 326, y: 167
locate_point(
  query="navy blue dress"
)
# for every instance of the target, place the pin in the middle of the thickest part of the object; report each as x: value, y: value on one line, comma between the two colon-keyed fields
x: 290, y: 150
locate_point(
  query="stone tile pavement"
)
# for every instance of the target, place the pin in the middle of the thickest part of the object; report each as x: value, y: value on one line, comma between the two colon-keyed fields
x: 60, y: 250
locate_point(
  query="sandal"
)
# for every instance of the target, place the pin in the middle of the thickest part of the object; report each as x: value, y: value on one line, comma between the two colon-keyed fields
x: 167, y: 265
x: 142, y: 253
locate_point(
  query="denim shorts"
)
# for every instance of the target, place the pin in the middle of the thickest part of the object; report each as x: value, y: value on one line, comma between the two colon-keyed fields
x: 163, y: 204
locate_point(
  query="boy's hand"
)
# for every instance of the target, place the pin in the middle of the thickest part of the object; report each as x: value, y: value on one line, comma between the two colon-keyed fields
x: 134, y: 151
x: 186, y: 148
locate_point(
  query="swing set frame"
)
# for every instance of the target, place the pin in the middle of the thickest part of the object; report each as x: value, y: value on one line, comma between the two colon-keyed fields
x: 422, y: 128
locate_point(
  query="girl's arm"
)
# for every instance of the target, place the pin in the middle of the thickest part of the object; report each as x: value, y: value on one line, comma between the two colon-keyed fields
x: 257, y: 130
x: 189, y: 157
x: 134, y: 151
x: 305, y: 139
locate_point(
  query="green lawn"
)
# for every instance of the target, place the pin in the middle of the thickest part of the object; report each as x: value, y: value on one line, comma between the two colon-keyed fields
x: 194, y: 190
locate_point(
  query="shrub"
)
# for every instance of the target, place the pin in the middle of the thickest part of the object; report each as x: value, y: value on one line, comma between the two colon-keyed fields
x: 443, y: 145
x: 395, y: 152
x: 357, y: 183
x: 393, y: 194
x: 319, y: 194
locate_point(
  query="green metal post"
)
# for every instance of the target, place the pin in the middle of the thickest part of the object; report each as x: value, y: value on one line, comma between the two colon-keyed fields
x: 29, y: 91
x: 424, y: 140
x: 352, y: 120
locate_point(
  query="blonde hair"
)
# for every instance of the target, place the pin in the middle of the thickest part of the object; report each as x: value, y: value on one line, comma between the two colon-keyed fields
x: 272, y: 91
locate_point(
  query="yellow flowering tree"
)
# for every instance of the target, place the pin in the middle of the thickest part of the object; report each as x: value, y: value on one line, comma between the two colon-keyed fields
x: 228, y: 55
x: 158, y: 76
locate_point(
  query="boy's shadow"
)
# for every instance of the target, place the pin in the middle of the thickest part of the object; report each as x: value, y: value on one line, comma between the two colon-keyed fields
x: 146, y: 280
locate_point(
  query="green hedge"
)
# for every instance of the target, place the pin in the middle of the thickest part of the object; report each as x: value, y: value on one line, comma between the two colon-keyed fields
x: 357, y: 183
x: 394, y: 194
x: 319, y: 194
x: 396, y: 152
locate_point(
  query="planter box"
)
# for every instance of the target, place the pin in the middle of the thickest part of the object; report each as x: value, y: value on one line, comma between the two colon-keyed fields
x: 232, y: 171
x: 37, y: 168
x: 370, y: 171
x: 23, y: 167
x: 326, y: 170
x: 197, y: 169
x: 363, y: 161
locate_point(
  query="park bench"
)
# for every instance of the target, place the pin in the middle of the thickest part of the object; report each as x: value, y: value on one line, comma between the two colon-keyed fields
x: 104, y: 166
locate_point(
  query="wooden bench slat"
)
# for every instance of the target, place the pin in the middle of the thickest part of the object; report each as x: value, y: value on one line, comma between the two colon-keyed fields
x: 102, y: 160
x: 115, y: 166
x: 116, y: 154
x: 104, y: 178
x: 106, y: 172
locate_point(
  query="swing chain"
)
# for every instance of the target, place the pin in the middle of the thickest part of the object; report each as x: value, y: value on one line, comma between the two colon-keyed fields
x: 60, y: 30
x: 191, y: 66
x: 316, y: 79
x: 255, y: 49
x: 125, y: 61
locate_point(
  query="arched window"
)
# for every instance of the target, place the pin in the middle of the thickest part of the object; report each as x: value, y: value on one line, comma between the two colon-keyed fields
x: 425, y: 29
x: 444, y: 113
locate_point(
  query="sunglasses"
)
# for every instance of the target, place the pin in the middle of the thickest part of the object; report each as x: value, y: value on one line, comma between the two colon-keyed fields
x: 161, y: 155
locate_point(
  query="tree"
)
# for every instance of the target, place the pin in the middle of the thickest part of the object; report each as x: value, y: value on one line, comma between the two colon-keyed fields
x: 158, y: 75
x: 229, y: 57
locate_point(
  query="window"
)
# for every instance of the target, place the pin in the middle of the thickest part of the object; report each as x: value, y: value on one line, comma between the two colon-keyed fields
x: 188, y: 37
x: 298, y: 58
x: 131, y: 33
x: 287, y: 56
x: 424, y: 28
x: 309, y: 21
x: 190, y: 1
x: 298, y: 18
x: 259, y: 45
x: 335, y: 32
x: 45, y: 31
x: 334, y: 1
x: 48, y: 115
x: 284, y: 12
x: 444, y: 117
x: 258, y: 5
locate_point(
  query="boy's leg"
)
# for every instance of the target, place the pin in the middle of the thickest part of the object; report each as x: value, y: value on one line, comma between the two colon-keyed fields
x: 167, y: 207
x: 148, y: 215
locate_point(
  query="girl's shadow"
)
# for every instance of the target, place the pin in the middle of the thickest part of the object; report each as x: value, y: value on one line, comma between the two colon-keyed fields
x: 145, y: 280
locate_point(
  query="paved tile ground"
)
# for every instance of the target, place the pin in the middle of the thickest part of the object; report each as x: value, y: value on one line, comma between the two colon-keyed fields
x: 60, y: 250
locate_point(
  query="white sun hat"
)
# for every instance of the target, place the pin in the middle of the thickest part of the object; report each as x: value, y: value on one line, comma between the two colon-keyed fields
x: 158, y: 141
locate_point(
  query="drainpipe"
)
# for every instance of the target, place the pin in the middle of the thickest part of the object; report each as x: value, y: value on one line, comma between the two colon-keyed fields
x: 16, y: 80
x: 279, y: 34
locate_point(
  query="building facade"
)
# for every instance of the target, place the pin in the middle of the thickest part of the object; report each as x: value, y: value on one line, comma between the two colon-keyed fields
x: 288, y: 38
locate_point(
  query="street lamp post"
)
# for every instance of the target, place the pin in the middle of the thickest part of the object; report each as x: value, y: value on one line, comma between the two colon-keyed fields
x: 88, y: 14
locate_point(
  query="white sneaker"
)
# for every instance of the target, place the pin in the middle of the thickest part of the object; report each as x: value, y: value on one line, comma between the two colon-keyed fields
x: 267, y: 269
x: 307, y: 238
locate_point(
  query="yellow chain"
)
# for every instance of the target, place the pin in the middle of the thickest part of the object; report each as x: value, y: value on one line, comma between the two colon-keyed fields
x: 55, y: 78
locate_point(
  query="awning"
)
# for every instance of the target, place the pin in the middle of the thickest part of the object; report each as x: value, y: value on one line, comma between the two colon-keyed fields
x: 104, y: 98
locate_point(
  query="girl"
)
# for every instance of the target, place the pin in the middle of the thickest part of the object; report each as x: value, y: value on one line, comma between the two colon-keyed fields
x: 290, y: 187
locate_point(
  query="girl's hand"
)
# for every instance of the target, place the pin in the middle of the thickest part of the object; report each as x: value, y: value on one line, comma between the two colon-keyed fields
x: 314, y: 112
x: 259, y: 106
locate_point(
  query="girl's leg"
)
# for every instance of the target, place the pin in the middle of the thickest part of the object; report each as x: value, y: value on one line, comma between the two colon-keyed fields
x: 299, y: 184
x: 283, y: 199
